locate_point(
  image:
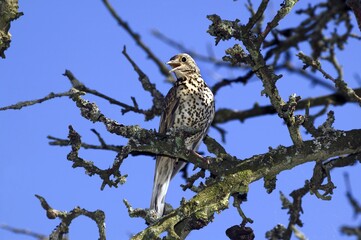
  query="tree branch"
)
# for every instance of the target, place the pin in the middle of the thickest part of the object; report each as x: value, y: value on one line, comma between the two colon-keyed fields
x: 20, y: 105
x: 355, y: 5
x: 24, y: 232
x: 339, y: 82
x: 126, y: 108
x: 224, y: 115
x: 158, y: 98
x: 9, y: 13
x: 163, y: 69
x: 97, y: 216
x: 224, y: 30
x: 215, y: 197
x: 195, y: 55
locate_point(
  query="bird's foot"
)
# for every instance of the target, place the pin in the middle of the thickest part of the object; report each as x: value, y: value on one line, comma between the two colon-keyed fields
x: 205, y: 159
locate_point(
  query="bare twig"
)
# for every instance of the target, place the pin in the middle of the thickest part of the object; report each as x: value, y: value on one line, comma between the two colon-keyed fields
x: 91, y: 169
x: 158, y: 97
x: 355, y: 204
x: 351, y: 231
x: 339, y: 83
x: 65, y: 143
x: 126, y: 108
x: 101, y: 140
x: 24, y: 232
x: 163, y: 69
x: 237, y: 201
x: 190, y: 181
x: 313, y: 28
x: 227, y: 82
x: 287, y: 6
x: 257, y: 16
x: 311, y: 77
x: 20, y: 105
x: 225, y: 29
x: 355, y: 5
x: 225, y: 115
x: 320, y: 172
x: 195, y: 55
x: 298, y: 234
x: 97, y: 216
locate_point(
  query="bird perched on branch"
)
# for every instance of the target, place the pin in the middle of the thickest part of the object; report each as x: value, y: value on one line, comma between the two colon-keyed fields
x: 189, y: 104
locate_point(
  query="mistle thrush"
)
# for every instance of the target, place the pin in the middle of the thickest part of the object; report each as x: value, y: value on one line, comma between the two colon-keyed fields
x: 188, y: 104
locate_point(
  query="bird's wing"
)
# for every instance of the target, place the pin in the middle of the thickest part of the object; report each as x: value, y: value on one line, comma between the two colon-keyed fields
x: 171, y: 105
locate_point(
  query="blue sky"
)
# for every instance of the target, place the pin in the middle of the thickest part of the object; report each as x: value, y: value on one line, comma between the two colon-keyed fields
x: 85, y: 39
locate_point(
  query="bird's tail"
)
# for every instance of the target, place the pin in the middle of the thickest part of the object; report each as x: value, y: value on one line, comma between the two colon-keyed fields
x: 162, y: 176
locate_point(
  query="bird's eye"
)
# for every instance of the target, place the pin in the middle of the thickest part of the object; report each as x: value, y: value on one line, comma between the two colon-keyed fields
x: 184, y: 59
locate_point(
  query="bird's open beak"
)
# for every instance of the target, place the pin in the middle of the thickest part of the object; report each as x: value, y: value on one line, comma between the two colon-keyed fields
x: 173, y: 64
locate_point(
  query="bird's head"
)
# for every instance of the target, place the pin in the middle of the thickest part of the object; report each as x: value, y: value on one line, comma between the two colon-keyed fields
x: 183, y: 64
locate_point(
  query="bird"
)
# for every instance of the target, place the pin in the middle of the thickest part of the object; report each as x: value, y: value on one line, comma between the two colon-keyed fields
x: 189, y: 104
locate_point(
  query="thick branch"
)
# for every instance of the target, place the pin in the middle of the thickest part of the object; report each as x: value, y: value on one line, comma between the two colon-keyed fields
x: 149, y: 141
x: 215, y: 197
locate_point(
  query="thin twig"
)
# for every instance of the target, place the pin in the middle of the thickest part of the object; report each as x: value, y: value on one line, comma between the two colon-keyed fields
x: 66, y: 143
x: 339, y: 83
x: 97, y: 216
x: 311, y: 77
x: 227, y: 82
x: 163, y: 69
x: 158, y: 97
x: 224, y: 115
x: 51, y: 95
x: 195, y: 55
x: 355, y: 5
x: 287, y: 6
x: 24, y: 232
x: 126, y: 108
x: 257, y: 16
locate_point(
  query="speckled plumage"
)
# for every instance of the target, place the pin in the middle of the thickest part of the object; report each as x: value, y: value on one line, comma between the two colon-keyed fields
x: 189, y: 103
